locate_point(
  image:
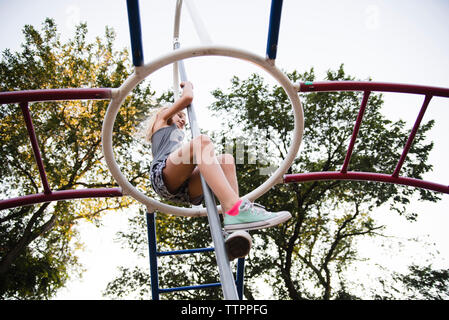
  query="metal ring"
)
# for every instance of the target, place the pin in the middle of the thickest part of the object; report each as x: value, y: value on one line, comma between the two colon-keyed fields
x: 119, y: 95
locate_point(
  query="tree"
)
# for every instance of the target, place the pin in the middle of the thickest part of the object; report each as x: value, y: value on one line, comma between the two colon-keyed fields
x: 421, y: 283
x: 315, y: 247
x: 36, y: 253
x: 306, y: 257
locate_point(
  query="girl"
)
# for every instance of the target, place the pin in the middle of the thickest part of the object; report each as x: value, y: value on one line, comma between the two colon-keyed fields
x: 176, y: 168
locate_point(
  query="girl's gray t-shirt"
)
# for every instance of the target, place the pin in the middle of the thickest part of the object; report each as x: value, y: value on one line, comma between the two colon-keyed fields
x: 164, y: 141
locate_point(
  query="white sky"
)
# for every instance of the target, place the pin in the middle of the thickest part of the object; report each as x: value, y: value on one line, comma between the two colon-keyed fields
x: 402, y: 41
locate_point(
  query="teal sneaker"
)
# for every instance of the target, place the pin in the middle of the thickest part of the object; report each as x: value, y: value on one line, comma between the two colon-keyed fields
x: 253, y: 216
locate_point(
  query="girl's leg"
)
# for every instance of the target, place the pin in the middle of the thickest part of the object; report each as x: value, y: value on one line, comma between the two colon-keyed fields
x: 227, y: 164
x: 180, y: 166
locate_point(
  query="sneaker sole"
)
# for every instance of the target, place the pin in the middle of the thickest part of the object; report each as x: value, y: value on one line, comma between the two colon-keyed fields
x: 238, y: 244
x: 280, y: 218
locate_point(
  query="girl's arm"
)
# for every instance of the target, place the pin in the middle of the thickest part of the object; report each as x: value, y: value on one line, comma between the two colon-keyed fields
x: 183, y: 102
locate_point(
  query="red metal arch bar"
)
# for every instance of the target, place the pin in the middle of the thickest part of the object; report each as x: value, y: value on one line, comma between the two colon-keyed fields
x: 325, y: 86
x: 364, y: 176
x: 23, y: 98
x: 368, y: 87
x: 60, y: 195
x: 54, y: 95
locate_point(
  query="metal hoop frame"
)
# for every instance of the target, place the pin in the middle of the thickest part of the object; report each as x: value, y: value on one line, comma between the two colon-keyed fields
x: 118, y: 96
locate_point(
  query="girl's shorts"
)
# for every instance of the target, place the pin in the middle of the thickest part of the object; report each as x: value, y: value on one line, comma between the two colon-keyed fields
x: 181, y: 196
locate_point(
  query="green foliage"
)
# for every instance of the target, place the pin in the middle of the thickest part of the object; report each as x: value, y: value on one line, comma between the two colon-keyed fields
x: 36, y: 251
x: 318, y: 243
x: 174, y: 271
x: 421, y: 283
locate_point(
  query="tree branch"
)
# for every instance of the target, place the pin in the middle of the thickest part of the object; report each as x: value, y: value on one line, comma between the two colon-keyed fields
x: 27, y: 174
x: 25, y: 240
x: 22, y: 210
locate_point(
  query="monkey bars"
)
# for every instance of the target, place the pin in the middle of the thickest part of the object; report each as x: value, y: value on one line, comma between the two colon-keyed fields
x: 23, y: 98
x: 367, y: 88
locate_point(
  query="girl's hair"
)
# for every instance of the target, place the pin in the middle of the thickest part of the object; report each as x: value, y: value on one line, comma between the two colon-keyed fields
x: 151, y: 121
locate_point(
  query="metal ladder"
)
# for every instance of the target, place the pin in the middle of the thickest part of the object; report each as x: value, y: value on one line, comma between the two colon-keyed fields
x: 227, y: 282
x: 154, y: 254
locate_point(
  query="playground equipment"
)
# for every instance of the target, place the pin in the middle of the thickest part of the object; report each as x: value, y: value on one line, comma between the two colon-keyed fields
x: 176, y: 58
x: 143, y: 71
x: 367, y: 88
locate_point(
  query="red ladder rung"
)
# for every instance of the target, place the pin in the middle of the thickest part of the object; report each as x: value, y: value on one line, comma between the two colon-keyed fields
x: 411, y: 137
x: 355, y: 132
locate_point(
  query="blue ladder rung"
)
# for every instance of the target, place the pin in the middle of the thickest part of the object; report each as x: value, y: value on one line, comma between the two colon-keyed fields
x: 153, y: 254
x: 200, y: 286
x: 186, y: 251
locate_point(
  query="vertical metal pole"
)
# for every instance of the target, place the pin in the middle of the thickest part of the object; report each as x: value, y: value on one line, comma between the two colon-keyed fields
x: 224, y: 267
x: 135, y: 31
x: 151, y: 228
x: 273, y: 29
x: 239, y: 276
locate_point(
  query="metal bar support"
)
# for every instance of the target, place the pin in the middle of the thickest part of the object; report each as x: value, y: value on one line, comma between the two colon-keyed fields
x: 327, y: 86
x: 186, y: 251
x: 224, y: 267
x: 411, y: 137
x: 240, y: 276
x: 355, y: 132
x: 196, y: 287
x: 273, y: 29
x: 154, y: 275
x: 60, y: 195
x: 135, y: 31
x: 35, y: 146
x: 54, y: 95
x: 365, y: 176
